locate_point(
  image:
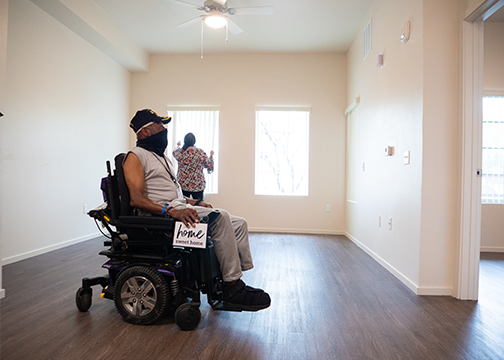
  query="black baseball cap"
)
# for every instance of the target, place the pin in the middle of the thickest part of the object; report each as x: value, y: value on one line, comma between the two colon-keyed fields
x: 145, y: 117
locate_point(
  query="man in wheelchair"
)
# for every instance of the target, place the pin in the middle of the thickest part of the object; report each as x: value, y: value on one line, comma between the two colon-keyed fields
x: 154, y: 191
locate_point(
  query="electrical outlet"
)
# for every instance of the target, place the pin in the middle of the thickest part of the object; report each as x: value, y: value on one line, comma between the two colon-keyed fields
x: 390, y: 223
x: 328, y: 208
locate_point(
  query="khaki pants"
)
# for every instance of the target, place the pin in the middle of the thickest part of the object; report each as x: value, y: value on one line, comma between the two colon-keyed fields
x: 229, y: 234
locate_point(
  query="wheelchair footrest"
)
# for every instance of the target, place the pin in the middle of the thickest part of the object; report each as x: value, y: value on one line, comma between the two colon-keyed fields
x: 99, y: 280
x: 219, y: 305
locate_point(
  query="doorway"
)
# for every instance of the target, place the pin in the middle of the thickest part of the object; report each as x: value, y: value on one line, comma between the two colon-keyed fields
x: 492, y: 247
x: 470, y: 240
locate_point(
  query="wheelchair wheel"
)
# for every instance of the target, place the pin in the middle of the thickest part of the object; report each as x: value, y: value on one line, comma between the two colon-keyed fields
x: 141, y: 295
x: 187, y: 316
x: 83, y: 299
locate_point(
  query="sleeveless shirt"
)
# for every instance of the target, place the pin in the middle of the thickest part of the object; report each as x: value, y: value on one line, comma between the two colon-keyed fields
x: 159, y: 185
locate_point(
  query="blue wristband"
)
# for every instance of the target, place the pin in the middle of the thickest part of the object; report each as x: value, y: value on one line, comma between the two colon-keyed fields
x: 162, y: 212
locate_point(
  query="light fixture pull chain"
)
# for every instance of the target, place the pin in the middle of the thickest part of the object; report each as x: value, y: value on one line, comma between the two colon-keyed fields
x: 202, y: 24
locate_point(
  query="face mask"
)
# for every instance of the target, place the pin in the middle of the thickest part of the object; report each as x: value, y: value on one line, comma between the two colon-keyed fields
x: 156, y: 143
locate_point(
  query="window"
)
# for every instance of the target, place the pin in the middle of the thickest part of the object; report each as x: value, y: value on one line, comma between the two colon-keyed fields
x: 204, y: 124
x: 282, y: 139
x: 492, y: 187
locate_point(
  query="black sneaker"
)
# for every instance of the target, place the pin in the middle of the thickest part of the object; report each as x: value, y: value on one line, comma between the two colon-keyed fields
x: 240, y: 297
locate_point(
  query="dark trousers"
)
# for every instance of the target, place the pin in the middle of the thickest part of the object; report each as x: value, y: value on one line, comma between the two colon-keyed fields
x: 194, y: 195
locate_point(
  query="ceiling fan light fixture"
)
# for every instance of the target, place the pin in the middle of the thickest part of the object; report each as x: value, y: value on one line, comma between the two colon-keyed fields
x: 215, y: 21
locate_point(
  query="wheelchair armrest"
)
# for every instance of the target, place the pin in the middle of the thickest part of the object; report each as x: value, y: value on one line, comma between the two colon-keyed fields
x: 150, y: 222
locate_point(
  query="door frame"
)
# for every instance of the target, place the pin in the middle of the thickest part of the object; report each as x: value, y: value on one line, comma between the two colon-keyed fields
x: 467, y: 282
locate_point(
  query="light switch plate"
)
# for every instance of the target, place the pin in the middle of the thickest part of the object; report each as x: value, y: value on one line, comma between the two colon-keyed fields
x: 407, y: 157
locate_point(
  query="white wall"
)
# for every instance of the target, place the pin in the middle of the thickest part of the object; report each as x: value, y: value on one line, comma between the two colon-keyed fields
x: 66, y: 114
x: 493, y: 80
x: 412, y: 104
x: 492, y: 226
x: 441, y: 148
x: 390, y: 114
x: 240, y: 82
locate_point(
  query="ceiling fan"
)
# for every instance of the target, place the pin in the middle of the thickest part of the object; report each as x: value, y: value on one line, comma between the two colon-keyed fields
x: 217, y: 11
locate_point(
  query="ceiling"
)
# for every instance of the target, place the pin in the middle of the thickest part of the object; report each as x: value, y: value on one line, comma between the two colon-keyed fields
x: 129, y: 30
x: 295, y: 26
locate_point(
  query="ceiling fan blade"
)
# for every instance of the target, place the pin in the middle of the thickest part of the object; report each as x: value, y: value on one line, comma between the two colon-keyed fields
x: 235, y: 29
x: 189, y: 22
x: 255, y: 10
x: 188, y: 3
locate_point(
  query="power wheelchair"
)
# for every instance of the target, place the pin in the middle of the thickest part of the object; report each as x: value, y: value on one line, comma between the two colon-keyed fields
x: 148, y: 276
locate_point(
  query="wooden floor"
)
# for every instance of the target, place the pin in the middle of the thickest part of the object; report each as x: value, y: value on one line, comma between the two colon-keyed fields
x: 330, y: 300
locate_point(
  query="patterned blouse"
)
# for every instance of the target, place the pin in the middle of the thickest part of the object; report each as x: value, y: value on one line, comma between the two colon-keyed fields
x: 190, y: 168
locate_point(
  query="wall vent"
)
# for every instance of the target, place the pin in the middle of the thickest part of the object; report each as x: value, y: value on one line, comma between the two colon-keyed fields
x: 367, y: 39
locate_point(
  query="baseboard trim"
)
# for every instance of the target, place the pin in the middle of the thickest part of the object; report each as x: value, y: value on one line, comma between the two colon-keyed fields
x: 498, y: 249
x: 46, y: 249
x: 295, y: 231
x: 434, y: 291
x: 419, y: 290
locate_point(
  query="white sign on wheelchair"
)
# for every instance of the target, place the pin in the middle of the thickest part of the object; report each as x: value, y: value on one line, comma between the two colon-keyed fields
x: 194, y: 237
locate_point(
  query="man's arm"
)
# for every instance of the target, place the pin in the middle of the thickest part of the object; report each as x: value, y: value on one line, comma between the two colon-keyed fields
x: 201, y: 203
x: 134, y: 176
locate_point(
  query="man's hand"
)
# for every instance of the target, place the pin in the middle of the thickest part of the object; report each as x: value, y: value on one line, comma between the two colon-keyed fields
x: 187, y: 216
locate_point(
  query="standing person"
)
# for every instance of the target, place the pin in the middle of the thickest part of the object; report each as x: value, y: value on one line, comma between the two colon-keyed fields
x: 153, y: 189
x: 191, y: 162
